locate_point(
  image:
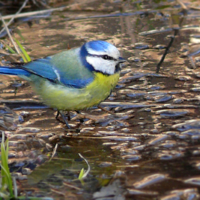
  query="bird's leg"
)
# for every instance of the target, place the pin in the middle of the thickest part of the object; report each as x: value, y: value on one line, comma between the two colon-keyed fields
x: 57, y: 115
x: 63, y: 116
x: 81, y: 120
x: 66, y: 122
x: 68, y: 116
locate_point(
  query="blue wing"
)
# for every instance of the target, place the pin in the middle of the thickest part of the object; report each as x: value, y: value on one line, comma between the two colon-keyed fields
x: 41, y: 67
x: 48, y: 70
x: 64, y: 68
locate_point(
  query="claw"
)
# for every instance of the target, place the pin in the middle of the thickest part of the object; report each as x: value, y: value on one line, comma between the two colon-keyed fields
x: 64, y: 118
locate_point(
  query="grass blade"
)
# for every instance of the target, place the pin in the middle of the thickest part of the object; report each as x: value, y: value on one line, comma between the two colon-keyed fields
x: 25, y: 54
x: 5, y: 172
x: 8, y: 180
x: 10, y: 49
x: 81, y: 174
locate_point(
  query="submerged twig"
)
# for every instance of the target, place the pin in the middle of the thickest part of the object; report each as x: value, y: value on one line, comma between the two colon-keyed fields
x: 182, y: 4
x: 88, y: 170
x: 27, y: 14
x: 5, y: 26
x: 41, y: 3
x: 108, y: 111
x: 15, y: 186
x: 165, y: 53
x: 176, y: 31
x: 13, y: 16
x: 54, y: 151
x: 71, y: 186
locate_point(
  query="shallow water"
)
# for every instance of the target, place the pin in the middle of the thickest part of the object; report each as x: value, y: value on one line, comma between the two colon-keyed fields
x: 149, y: 149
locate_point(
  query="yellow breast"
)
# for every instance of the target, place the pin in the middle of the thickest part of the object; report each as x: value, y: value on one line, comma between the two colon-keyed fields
x: 68, y: 98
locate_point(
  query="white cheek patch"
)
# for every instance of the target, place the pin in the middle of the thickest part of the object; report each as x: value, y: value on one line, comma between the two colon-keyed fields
x: 99, y: 64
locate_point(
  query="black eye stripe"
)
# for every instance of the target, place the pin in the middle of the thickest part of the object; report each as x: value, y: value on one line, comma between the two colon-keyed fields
x: 106, y: 57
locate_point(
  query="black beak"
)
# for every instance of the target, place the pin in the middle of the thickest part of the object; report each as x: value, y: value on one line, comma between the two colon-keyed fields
x: 119, y: 65
x: 121, y: 60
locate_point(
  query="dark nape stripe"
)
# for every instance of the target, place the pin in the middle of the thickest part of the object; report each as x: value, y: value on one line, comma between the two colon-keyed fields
x: 83, y: 55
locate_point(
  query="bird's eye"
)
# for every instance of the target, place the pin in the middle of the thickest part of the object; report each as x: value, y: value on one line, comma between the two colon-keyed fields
x: 105, y: 57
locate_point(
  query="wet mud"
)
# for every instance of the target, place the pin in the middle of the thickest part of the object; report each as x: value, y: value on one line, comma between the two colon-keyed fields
x: 149, y: 147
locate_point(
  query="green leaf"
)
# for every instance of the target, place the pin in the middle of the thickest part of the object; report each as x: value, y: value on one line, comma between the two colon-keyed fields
x: 81, y: 174
x: 10, y: 49
x: 25, y: 54
x: 5, y: 172
x: 20, y: 34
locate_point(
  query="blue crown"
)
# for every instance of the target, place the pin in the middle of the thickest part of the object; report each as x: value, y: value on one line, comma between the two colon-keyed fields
x: 99, y: 45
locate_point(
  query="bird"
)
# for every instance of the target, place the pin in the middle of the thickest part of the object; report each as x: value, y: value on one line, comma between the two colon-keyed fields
x: 74, y: 79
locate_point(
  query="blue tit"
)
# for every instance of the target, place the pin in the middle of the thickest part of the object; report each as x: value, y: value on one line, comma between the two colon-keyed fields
x: 75, y: 79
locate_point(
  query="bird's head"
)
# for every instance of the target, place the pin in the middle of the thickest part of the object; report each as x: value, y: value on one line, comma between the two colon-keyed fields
x: 101, y: 56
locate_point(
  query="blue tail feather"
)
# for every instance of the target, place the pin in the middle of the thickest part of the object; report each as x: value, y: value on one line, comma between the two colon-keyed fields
x: 13, y: 71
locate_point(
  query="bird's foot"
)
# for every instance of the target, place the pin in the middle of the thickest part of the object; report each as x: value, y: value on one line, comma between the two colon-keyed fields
x: 64, y: 118
x: 81, y: 119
